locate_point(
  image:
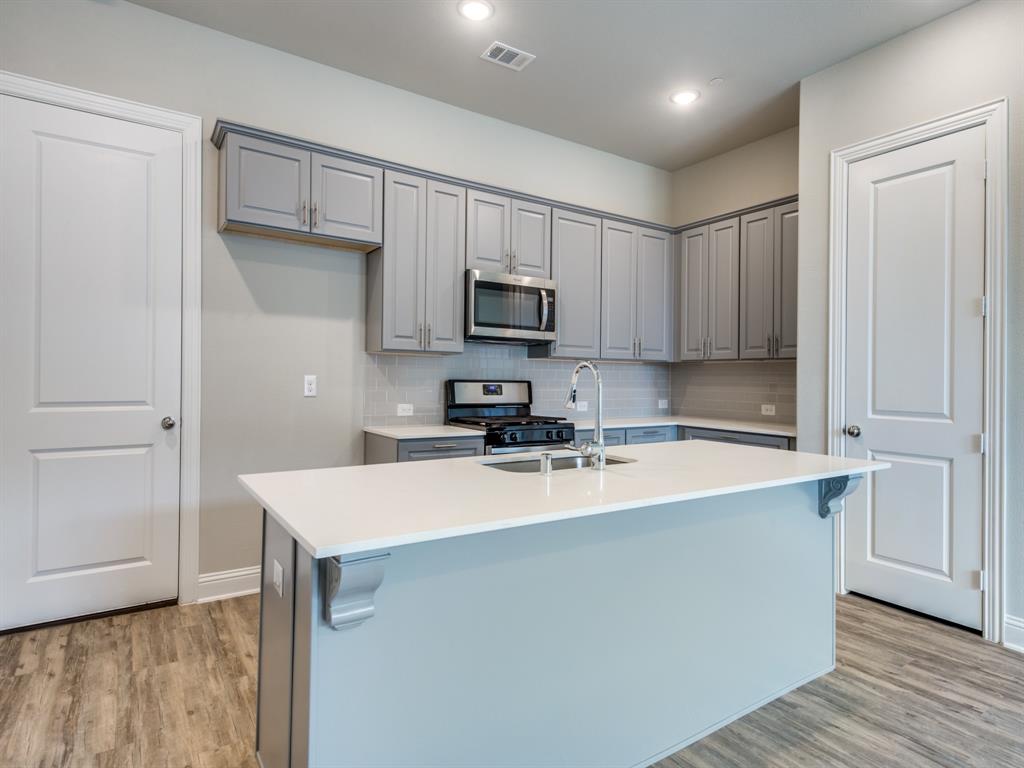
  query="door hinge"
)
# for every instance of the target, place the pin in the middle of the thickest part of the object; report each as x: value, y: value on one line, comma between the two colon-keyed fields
x: 984, y: 306
x: 981, y: 580
x: 982, y: 443
x: 985, y: 169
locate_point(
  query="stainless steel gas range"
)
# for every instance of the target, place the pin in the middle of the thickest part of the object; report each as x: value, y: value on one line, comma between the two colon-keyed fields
x: 501, y: 410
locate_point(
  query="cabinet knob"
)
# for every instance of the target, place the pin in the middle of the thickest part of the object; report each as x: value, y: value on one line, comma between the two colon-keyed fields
x: 853, y: 430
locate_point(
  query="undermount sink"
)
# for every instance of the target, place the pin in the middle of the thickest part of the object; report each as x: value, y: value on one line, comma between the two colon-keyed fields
x: 527, y: 466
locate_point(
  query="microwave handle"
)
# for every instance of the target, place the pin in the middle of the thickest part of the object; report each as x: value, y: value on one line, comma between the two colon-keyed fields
x: 543, y: 309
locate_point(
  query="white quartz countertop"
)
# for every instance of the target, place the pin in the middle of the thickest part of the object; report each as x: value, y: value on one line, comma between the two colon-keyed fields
x: 733, y: 425
x: 359, y: 509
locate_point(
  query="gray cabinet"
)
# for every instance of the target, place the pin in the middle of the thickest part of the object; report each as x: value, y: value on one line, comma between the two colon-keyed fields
x: 531, y: 239
x: 640, y: 435
x: 738, y: 438
x: 709, y: 274
x: 787, y: 220
x: 264, y: 184
x: 275, y: 189
x: 378, y: 449
x: 415, y: 282
x: 636, y: 277
x: 611, y: 436
x: 507, y: 235
x: 576, y: 267
x: 346, y: 199
x: 618, y: 291
x: 768, y: 263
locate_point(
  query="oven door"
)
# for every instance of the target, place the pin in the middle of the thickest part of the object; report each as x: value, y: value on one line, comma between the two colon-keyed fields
x: 509, y: 308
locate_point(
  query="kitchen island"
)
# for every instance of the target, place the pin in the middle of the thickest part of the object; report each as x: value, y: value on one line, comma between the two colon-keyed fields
x: 454, y: 615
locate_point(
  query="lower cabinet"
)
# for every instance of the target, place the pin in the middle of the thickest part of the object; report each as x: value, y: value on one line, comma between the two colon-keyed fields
x: 638, y: 435
x: 740, y: 438
x: 387, y: 450
x: 611, y: 436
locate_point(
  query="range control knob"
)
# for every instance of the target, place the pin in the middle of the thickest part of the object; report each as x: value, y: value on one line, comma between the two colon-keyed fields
x: 561, y: 435
x: 513, y: 437
x: 550, y: 435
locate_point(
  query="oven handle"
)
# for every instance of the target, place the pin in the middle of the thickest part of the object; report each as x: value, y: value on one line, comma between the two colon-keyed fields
x: 544, y: 309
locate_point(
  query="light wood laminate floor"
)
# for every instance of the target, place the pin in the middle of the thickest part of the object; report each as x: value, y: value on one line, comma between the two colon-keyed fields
x: 175, y: 688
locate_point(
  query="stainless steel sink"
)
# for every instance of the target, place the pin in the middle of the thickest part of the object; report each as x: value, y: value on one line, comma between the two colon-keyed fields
x: 527, y: 466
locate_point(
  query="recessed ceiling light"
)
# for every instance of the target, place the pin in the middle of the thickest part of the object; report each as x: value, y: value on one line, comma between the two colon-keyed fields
x: 685, y: 97
x: 476, y: 10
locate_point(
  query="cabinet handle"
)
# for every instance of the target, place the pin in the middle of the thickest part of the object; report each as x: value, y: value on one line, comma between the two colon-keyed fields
x: 303, y: 211
x: 652, y: 431
x: 315, y: 217
x: 639, y: 347
x: 508, y: 261
x: 428, y: 335
x: 770, y: 345
x: 514, y: 264
x: 776, y: 346
x: 446, y: 445
x: 419, y: 334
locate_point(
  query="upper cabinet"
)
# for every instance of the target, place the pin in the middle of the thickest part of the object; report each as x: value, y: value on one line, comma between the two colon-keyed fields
x: 576, y: 267
x: 280, y: 190
x: 415, y: 283
x: 709, y: 282
x: 655, y: 290
x: 507, y: 235
x: 768, y: 263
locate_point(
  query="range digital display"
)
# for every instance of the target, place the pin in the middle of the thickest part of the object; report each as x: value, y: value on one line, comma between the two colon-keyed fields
x: 492, y: 389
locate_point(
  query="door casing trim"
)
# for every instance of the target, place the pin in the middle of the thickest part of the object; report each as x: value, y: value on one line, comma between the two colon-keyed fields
x: 191, y: 128
x: 994, y: 117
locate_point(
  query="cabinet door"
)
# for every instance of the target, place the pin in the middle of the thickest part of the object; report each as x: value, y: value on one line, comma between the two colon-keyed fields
x: 787, y: 219
x: 446, y: 265
x: 693, y: 293
x: 576, y: 266
x: 488, y: 227
x: 347, y: 199
x: 723, y: 290
x: 654, y: 295
x: 531, y: 239
x: 265, y: 183
x: 757, y: 280
x: 404, y: 261
x: 427, y: 450
x: 618, y: 292
x: 611, y: 437
x: 640, y: 435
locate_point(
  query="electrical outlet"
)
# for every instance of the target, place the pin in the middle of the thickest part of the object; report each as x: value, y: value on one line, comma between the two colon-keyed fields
x: 404, y: 409
x: 663, y: 404
x: 767, y: 409
x: 581, y: 405
x: 279, y: 579
x: 309, y: 385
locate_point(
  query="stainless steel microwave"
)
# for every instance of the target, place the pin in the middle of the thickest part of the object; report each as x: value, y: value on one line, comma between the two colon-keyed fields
x: 512, y: 309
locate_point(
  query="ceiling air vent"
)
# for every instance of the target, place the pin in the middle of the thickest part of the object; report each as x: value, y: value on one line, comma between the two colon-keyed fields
x: 507, y: 56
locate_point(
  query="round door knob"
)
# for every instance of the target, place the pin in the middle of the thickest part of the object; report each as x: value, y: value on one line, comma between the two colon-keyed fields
x: 853, y: 430
x: 167, y: 422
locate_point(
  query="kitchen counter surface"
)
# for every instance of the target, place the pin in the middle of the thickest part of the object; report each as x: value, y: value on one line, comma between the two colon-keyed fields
x: 359, y: 509
x: 430, y: 432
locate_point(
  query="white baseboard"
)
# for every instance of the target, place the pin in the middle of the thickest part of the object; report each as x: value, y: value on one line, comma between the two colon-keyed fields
x: 1013, y: 632
x: 221, y: 585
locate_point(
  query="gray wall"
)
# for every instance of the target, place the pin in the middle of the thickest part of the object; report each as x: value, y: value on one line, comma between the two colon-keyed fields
x: 961, y: 60
x: 630, y: 389
x: 735, y: 390
x: 272, y: 311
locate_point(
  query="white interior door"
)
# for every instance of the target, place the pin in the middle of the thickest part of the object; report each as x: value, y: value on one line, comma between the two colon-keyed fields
x: 914, y: 378
x: 90, y: 344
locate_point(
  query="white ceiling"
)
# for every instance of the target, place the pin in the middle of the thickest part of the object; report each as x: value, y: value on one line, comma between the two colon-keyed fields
x: 604, y: 68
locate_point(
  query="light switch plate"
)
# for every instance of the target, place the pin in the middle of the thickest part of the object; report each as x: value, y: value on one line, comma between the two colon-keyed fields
x: 404, y: 409
x: 663, y: 404
x: 279, y: 579
x: 582, y: 405
x: 309, y: 385
x: 767, y: 409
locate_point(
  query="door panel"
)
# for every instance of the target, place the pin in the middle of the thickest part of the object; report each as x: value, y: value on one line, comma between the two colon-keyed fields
x: 531, y: 239
x: 576, y: 267
x: 914, y: 374
x: 347, y: 198
x: 757, y: 281
x: 618, y: 279
x: 404, y: 261
x: 269, y: 183
x: 787, y: 221
x: 488, y: 228
x: 654, y: 295
x: 723, y: 289
x: 446, y: 266
x: 693, y: 314
x: 90, y: 301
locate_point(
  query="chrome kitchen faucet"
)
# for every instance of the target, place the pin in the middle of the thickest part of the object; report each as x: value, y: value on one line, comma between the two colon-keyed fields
x: 592, y: 449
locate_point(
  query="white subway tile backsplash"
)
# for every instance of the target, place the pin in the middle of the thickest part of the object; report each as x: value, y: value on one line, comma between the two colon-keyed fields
x: 735, y: 389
